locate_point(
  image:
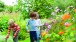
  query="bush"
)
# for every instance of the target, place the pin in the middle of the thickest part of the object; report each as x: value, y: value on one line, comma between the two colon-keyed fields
x: 3, y: 22
x: 22, y: 34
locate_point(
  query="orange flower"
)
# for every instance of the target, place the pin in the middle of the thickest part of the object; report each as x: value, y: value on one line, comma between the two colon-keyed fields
x: 60, y: 33
x: 74, y: 10
x: 47, y: 39
x: 43, y: 33
x: 66, y: 16
x: 73, y: 29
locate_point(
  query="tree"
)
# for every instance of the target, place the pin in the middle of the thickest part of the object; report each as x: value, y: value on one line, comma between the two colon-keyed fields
x: 1, y: 6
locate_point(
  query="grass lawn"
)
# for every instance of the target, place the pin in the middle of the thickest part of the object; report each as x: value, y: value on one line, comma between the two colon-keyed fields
x: 28, y: 40
x: 2, y: 39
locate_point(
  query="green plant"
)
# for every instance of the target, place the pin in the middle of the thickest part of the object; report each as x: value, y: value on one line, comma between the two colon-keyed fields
x: 22, y: 33
x: 1, y: 6
x: 3, y: 22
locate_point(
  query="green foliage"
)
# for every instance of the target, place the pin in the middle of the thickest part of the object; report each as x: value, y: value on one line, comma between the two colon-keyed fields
x: 22, y: 33
x: 9, y: 8
x: 44, y: 8
x: 1, y: 6
x: 62, y: 4
x: 3, y: 22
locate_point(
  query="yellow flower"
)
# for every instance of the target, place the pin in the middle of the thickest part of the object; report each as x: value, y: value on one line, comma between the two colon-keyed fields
x: 47, y: 39
x: 74, y: 10
x: 43, y: 33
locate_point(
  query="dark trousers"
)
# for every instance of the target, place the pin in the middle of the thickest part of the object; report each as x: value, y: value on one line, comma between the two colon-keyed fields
x: 33, y: 36
x: 16, y: 38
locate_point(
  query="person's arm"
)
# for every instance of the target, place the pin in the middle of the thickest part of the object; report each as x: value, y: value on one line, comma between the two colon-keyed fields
x: 15, y: 34
x: 8, y: 33
x: 39, y: 23
x: 27, y: 26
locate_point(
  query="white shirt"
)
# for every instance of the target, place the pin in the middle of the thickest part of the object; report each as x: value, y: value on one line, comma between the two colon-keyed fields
x: 38, y: 23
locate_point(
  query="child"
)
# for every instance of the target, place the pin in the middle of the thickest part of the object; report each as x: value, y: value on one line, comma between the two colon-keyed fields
x: 15, y: 28
x: 33, y: 29
x: 38, y: 24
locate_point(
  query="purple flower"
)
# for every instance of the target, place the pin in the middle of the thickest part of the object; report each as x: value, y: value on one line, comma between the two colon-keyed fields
x: 46, y: 30
x: 49, y: 26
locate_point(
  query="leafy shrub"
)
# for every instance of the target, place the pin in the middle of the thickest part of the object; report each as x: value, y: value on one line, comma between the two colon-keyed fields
x: 3, y: 22
x: 22, y: 33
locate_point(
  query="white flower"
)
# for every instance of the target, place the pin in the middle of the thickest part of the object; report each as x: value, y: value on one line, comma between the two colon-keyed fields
x: 0, y: 31
x: 68, y: 7
x: 53, y: 13
x: 66, y: 23
x: 71, y: 6
x: 49, y: 26
x: 60, y: 10
x: 57, y: 10
x: 65, y: 10
x: 56, y: 7
x: 50, y: 8
x: 73, y: 18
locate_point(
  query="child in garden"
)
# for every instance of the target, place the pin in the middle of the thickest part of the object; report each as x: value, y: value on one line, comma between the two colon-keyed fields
x: 33, y: 29
x: 38, y: 25
x: 15, y: 28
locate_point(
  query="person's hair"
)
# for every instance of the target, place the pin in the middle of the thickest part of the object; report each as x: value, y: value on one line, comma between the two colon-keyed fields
x: 33, y: 14
x: 37, y: 16
x: 10, y: 21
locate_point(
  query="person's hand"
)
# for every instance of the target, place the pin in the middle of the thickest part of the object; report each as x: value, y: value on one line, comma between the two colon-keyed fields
x: 5, y: 39
x: 13, y: 36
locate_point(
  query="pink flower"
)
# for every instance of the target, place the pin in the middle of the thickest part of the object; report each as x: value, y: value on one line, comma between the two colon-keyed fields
x: 45, y: 24
x: 67, y: 24
x: 50, y: 18
x: 53, y: 21
x: 46, y: 30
